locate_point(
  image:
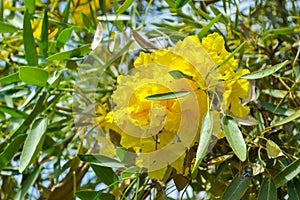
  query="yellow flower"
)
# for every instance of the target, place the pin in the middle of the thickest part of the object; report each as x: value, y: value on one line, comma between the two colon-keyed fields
x: 161, y: 131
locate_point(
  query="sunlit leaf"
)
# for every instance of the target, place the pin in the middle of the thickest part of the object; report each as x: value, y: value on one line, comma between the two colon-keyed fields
x: 168, y: 95
x: 30, y: 6
x: 206, y: 28
x: 288, y: 119
x: 181, y: 3
x: 7, y: 28
x: 235, y: 137
x: 77, y: 52
x: 28, y: 183
x: 100, y: 160
x: 287, y: 174
x: 11, y: 150
x: 34, y: 75
x: 33, y: 143
x: 14, y: 112
x: 29, y: 43
x: 205, y: 135
x: 10, y: 78
x: 266, y: 72
x: 124, y: 6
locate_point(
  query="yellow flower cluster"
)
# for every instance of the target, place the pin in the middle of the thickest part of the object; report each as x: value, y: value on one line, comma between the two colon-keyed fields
x: 160, y: 131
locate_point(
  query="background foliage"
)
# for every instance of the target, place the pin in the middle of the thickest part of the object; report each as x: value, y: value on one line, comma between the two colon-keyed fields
x: 44, y: 44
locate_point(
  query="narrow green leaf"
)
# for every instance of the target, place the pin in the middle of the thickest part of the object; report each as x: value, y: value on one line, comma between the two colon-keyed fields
x: 287, y: 173
x: 103, y: 6
x: 235, y: 137
x: 238, y: 186
x: 33, y: 143
x: 44, y: 34
x: 181, y: 3
x: 265, y: 72
x: 28, y: 41
x: 100, y: 160
x: 7, y: 28
x: 268, y: 190
x: 63, y: 37
x: 87, y: 194
x: 34, y: 75
x: 170, y: 3
x: 77, y: 52
x: 106, y: 175
x: 10, y: 78
x: 294, y: 189
x: 216, y: 66
x: 288, y: 119
x: 30, y: 6
x: 13, y: 112
x: 206, y: 28
x: 205, y: 135
x: 30, y: 180
x: 1, y: 10
x: 66, y: 12
x: 86, y: 20
x: 176, y: 74
x: 168, y: 95
x: 124, y: 6
x: 11, y: 150
x: 37, y: 109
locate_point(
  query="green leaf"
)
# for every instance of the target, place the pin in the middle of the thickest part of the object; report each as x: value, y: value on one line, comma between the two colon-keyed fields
x: 206, y: 28
x: 34, y: 76
x: 30, y: 6
x: 44, y: 34
x: 33, y: 143
x: 103, y: 6
x: 77, y: 52
x: 86, y: 20
x: 11, y: 150
x: 168, y: 95
x: 181, y: 3
x: 170, y: 3
x: 288, y: 119
x: 7, y: 28
x: 294, y: 189
x: 287, y: 173
x: 265, y: 72
x: 124, y: 6
x: 100, y: 160
x: 205, y: 135
x: 87, y: 195
x: 268, y: 190
x: 63, y: 37
x: 37, y: 109
x: 235, y: 137
x: 238, y: 186
x: 176, y: 74
x: 28, y: 41
x: 106, y: 175
x: 10, y: 78
x: 13, y: 112
x: 30, y: 180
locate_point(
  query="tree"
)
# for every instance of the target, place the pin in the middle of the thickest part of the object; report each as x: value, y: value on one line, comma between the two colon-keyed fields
x: 140, y: 99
